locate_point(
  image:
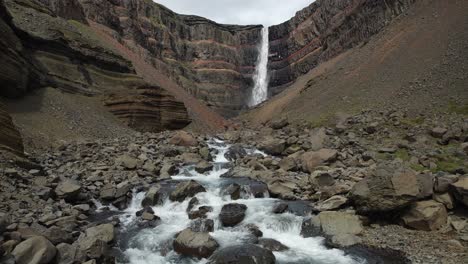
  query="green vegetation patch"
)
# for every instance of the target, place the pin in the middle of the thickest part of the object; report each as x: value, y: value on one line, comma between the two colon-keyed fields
x: 402, y: 154
x: 455, y: 108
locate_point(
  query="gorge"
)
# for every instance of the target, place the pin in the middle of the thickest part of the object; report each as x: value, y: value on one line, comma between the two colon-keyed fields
x: 130, y: 133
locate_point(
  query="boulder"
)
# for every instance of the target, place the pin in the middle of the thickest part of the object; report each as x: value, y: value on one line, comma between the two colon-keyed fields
x: 35, y: 250
x: 68, y: 190
x: 288, y: 164
x: 273, y: 146
x: 332, y: 203
x: 182, y: 138
x: 203, y: 167
x: 200, y: 213
x: 442, y: 183
x: 153, y: 197
x: 271, y: 244
x: 127, y: 162
x: 232, y: 214
x: 185, y: 190
x: 321, y: 179
x: 280, y: 208
x: 339, y: 228
x: 4, y: 222
x: 57, y: 235
x: 233, y: 190
x: 69, y: 254
x: 390, y: 187
x: 94, y: 242
x: 282, y: 189
x: 372, y: 128
x: 426, y: 215
x: 243, y: 254
x: 188, y: 158
x: 168, y: 169
x: 459, y: 190
x: 254, y: 230
x: 445, y: 199
x: 312, y: 159
x: 195, y: 244
x: 7, y: 247
x: 438, y: 132
x: 108, y: 192
x: 279, y: 124
x: 235, y: 152
x: 205, y: 154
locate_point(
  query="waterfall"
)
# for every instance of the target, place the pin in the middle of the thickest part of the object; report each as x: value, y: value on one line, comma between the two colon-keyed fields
x: 260, y: 89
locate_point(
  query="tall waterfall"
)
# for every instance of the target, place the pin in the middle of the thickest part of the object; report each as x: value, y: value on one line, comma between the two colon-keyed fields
x: 260, y: 90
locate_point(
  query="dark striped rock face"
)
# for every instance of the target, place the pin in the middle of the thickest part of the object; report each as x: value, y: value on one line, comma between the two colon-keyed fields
x: 10, y: 138
x: 49, y: 43
x: 323, y: 30
x: 213, y: 62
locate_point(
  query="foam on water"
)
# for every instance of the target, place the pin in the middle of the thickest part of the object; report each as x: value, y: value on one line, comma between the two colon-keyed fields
x: 150, y: 246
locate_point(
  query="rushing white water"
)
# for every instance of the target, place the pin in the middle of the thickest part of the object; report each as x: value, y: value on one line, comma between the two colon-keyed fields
x: 260, y: 89
x: 150, y: 246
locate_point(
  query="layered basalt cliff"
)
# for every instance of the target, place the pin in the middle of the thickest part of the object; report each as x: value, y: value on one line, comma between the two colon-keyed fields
x: 323, y: 30
x: 42, y: 48
x: 213, y: 62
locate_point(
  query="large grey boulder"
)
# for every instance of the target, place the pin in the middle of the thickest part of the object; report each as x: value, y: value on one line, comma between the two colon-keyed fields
x: 182, y: 138
x: 127, y: 162
x: 69, y: 254
x: 340, y: 229
x: 185, y: 190
x: 4, y: 222
x: 235, y: 152
x: 68, y: 190
x: 426, y: 215
x: 94, y: 242
x: 232, y: 214
x: 35, y: 250
x: 243, y: 254
x: 390, y: 187
x: 312, y: 159
x: 195, y: 244
x: 153, y: 197
x: 271, y: 244
x: 332, y: 203
x: 459, y: 190
x: 273, y: 146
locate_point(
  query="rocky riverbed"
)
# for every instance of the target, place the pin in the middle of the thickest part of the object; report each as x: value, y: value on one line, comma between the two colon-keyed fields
x: 376, y: 187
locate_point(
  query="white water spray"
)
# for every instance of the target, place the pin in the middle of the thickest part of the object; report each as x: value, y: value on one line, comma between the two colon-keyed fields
x: 153, y: 245
x: 260, y: 90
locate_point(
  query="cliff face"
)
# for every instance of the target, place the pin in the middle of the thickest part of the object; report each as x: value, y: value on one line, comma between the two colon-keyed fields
x: 211, y: 61
x: 323, y: 30
x: 41, y: 47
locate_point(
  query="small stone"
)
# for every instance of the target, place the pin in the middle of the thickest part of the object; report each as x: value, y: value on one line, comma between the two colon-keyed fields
x: 438, y: 132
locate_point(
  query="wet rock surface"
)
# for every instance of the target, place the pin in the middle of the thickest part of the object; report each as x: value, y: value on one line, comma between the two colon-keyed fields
x: 232, y: 214
x: 248, y: 254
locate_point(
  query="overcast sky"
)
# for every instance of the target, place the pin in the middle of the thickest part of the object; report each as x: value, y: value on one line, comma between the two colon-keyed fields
x: 242, y: 12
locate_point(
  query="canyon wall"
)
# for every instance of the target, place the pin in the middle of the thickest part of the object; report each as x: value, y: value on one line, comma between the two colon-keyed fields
x: 211, y: 61
x: 48, y: 43
x: 323, y: 30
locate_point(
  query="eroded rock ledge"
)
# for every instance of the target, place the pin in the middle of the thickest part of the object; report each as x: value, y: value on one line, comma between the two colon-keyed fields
x: 49, y: 44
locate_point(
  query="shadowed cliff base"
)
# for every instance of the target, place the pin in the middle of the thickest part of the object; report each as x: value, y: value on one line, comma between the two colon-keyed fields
x: 418, y: 64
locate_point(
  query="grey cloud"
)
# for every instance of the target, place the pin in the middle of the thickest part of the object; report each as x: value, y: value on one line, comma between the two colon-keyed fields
x: 242, y: 12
